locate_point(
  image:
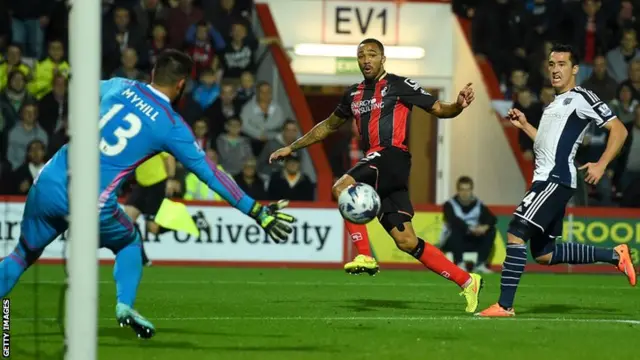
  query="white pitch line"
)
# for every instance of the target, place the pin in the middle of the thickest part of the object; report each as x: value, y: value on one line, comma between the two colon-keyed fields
x: 318, y: 283
x: 381, y: 318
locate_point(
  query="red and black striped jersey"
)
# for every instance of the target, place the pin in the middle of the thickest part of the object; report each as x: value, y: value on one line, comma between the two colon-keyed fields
x: 382, y: 108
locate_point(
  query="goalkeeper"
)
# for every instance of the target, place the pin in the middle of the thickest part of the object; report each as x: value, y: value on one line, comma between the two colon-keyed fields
x: 137, y: 122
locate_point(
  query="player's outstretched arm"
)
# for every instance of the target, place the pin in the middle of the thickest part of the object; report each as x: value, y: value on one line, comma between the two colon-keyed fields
x: 519, y: 120
x: 317, y: 134
x: 182, y: 144
x: 450, y: 110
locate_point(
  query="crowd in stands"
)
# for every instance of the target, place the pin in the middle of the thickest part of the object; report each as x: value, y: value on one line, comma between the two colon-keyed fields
x: 515, y: 36
x: 233, y: 116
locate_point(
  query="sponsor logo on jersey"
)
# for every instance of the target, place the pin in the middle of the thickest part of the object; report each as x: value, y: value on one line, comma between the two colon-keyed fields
x: 604, y: 110
x: 365, y: 106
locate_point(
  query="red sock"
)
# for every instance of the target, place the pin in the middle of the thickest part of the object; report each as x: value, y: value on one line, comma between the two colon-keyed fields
x: 435, y: 261
x: 360, y: 237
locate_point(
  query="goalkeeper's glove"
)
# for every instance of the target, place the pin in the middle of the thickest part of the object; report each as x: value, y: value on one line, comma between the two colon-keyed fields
x: 274, y: 222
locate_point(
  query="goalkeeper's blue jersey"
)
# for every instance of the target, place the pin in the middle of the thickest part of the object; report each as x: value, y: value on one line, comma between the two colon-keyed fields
x: 136, y: 123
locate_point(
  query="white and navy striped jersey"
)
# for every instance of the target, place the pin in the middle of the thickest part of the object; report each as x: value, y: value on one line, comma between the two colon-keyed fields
x: 562, y: 127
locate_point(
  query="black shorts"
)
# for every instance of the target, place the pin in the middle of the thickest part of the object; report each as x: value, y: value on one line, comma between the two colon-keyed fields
x: 543, y: 206
x: 148, y: 199
x: 388, y: 172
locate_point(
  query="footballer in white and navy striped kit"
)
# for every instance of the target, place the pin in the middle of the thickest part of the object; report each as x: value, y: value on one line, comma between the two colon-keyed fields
x: 539, y: 217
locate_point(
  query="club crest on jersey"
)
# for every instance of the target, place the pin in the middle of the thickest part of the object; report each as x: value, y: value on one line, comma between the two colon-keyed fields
x: 567, y: 101
x: 384, y: 91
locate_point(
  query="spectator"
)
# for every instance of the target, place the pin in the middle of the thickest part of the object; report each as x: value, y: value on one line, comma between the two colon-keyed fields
x: 60, y: 137
x: 519, y: 79
x: 624, y: 19
x: 119, y: 35
x: 593, y: 145
x: 634, y: 78
x: 234, y: 149
x: 589, y: 36
x: 53, y: 105
x: 129, y: 67
x: 200, y: 131
x: 533, y: 112
x: 247, y: 89
x: 201, y: 49
x: 226, y: 12
x: 291, y: 183
x: 624, y: 104
x: 202, y: 96
x: 29, y: 170
x: 46, y: 69
x: 147, y: 13
x: 619, y: 59
x: 628, y: 165
x: 13, y: 62
x: 600, y: 82
x: 180, y: 18
x: 12, y: 98
x: 239, y: 54
x: 224, y: 108
x: 22, y: 133
x: 28, y: 20
x: 195, y: 189
x: 262, y: 118
x: 158, y: 43
x: 468, y: 226
x: 289, y: 135
x: 249, y: 181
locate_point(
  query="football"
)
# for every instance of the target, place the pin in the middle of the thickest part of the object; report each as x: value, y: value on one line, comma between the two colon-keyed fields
x: 359, y: 203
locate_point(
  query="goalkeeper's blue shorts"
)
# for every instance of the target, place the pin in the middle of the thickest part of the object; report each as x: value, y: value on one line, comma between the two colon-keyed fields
x: 45, y: 218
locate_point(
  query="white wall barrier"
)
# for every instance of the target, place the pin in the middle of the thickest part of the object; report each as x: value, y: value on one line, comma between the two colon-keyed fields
x: 318, y: 237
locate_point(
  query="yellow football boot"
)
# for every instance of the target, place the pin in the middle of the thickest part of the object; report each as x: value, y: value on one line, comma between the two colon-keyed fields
x: 471, y: 293
x: 362, y: 264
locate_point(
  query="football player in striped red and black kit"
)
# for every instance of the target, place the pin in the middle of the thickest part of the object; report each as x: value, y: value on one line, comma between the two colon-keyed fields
x: 381, y: 106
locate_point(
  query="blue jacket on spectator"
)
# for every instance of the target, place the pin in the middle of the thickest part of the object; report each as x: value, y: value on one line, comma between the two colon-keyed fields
x: 216, y: 37
x: 205, y: 95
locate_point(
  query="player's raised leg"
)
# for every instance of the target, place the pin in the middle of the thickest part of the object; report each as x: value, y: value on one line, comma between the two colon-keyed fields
x: 42, y: 221
x: 364, y: 261
x: 118, y: 234
x: 398, y: 224
x: 546, y: 251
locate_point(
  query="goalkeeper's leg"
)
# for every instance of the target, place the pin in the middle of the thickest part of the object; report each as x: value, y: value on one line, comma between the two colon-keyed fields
x: 119, y: 235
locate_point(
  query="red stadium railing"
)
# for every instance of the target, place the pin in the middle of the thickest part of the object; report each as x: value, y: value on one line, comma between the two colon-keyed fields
x: 298, y: 103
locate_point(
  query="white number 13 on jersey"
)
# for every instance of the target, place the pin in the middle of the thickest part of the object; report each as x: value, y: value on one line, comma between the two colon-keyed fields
x: 123, y: 135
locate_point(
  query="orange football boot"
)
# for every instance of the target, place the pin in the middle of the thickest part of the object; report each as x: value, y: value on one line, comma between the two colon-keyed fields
x: 496, y: 310
x: 625, y: 265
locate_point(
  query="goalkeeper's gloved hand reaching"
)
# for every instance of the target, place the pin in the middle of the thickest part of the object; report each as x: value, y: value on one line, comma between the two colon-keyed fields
x: 274, y: 222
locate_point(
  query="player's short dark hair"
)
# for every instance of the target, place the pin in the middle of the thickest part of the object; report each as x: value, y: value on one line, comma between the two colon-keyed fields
x: 172, y: 66
x: 464, y: 180
x: 565, y: 48
x: 373, y: 41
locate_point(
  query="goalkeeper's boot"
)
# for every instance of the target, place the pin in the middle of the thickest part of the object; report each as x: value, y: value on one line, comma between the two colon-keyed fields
x: 471, y: 292
x: 625, y: 264
x: 362, y: 264
x: 496, y: 310
x: 126, y: 316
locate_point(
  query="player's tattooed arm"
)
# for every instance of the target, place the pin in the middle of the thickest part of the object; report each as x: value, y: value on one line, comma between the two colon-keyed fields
x: 445, y: 110
x: 319, y: 132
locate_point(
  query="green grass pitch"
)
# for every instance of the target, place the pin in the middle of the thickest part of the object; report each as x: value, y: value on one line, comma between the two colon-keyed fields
x: 269, y: 314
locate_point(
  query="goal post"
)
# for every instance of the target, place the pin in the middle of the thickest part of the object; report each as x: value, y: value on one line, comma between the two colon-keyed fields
x: 82, y: 263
